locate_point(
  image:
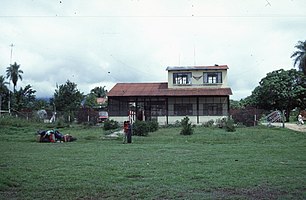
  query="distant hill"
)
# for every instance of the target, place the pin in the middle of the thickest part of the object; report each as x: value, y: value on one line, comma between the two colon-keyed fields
x: 47, y: 99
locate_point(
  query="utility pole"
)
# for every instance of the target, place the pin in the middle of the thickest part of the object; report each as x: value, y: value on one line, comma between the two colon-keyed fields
x: 9, y: 101
x: 0, y: 104
x: 283, y: 118
x: 194, y: 55
x: 12, y: 45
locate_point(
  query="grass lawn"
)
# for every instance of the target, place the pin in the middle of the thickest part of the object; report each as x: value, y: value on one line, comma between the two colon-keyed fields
x: 251, y: 163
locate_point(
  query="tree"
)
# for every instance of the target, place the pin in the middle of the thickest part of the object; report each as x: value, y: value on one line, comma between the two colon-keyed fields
x: 24, y: 98
x: 14, y: 73
x: 282, y: 90
x: 67, y: 97
x: 186, y: 127
x: 99, y: 91
x: 3, y: 91
x: 300, y: 56
x: 234, y: 104
x: 41, y: 103
x: 3, y: 87
x: 90, y: 101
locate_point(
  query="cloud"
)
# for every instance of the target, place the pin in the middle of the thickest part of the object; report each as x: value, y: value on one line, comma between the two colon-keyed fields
x: 97, y: 43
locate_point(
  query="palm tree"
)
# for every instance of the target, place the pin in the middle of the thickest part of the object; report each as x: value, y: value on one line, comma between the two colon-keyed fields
x: 99, y: 91
x: 300, y: 56
x: 14, y: 73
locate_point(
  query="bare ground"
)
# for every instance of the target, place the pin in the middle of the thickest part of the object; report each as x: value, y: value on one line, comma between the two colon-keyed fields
x: 292, y: 126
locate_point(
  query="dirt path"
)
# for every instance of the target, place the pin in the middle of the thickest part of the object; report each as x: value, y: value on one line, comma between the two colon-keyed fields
x: 301, y: 128
x: 292, y: 126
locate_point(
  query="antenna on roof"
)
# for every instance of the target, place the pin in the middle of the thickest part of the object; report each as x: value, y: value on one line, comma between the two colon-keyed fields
x: 194, y: 55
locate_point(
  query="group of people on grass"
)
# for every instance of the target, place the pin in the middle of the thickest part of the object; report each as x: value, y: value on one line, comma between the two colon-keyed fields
x: 53, y: 136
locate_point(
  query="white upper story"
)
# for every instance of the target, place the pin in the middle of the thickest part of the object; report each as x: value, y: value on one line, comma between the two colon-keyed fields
x: 197, y: 77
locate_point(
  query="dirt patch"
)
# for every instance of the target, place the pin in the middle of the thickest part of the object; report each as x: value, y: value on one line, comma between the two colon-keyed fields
x: 292, y: 126
x: 11, y: 193
x: 253, y: 193
x: 295, y: 127
x: 259, y: 192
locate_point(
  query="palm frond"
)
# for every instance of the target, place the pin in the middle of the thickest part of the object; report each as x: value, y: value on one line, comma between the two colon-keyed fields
x: 300, y: 56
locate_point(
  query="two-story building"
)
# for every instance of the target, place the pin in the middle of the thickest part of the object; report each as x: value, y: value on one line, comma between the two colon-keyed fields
x: 199, y: 92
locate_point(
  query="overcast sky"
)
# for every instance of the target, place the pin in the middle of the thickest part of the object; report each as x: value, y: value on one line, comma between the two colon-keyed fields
x: 102, y: 42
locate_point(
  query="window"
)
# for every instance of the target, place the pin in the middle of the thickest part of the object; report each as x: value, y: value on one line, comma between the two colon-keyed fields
x: 212, y: 109
x: 183, y: 109
x: 158, y: 108
x: 212, y: 77
x: 183, y: 78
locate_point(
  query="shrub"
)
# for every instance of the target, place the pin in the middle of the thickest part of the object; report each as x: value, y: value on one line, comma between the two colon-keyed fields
x: 229, y: 125
x: 246, y: 115
x: 221, y: 122
x: 110, y: 124
x: 153, y: 125
x: 209, y: 124
x: 186, y: 127
x: 140, y: 128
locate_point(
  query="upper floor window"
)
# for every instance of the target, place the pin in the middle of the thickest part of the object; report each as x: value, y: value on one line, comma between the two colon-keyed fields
x: 212, y: 77
x: 182, y: 78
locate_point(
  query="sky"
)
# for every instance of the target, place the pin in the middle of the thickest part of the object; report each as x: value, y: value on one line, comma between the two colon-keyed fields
x: 103, y: 42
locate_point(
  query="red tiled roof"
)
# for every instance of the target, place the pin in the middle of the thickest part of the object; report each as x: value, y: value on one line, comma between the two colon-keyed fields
x: 161, y: 89
x: 186, y: 68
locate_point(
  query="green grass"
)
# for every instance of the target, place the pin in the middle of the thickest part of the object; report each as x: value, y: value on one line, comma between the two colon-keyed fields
x: 251, y: 163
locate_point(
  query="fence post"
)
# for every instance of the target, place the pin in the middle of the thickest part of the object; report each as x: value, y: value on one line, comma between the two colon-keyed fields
x: 255, y: 120
x: 283, y: 118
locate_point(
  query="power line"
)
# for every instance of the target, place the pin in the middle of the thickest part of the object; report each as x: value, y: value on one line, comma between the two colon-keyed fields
x: 153, y: 16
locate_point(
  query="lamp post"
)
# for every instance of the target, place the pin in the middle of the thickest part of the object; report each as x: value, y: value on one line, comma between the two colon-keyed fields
x: 54, y: 111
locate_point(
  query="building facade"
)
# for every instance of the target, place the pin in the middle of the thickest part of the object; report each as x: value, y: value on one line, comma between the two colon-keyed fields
x: 199, y: 92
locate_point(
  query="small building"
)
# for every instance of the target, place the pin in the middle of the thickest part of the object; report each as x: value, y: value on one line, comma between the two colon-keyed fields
x: 199, y: 92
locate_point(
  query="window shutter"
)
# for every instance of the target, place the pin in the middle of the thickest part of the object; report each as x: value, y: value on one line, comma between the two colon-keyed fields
x: 205, y: 78
x: 189, y: 81
x: 174, y: 78
x: 219, y: 77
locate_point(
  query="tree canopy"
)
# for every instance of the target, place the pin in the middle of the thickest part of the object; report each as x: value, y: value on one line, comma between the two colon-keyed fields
x: 280, y: 89
x: 67, y: 97
x: 14, y: 73
x: 24, y: 98
x: 3, y: 87
x: 99, y: 91
x: 91, y: 101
